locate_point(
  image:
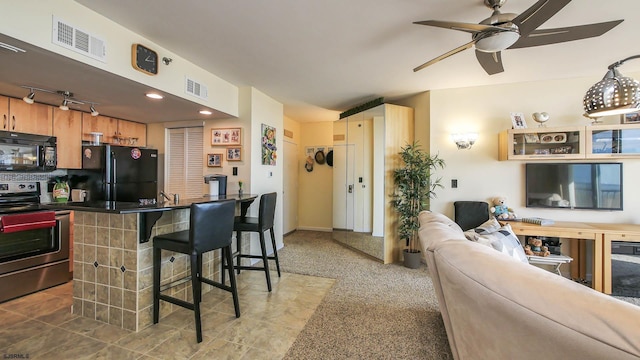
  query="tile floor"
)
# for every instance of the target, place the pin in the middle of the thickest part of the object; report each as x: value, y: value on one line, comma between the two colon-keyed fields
x: 41, y: 326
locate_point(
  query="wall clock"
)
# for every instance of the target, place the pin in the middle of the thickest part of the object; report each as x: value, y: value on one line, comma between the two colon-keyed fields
x: 144, y: 59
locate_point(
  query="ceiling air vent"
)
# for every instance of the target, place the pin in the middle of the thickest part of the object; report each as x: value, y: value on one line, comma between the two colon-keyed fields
x: 80, y: 41
x: 195, y: 88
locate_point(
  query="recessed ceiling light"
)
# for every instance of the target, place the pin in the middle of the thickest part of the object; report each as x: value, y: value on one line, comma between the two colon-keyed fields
x: 154, y: 96
x: 205, y: 112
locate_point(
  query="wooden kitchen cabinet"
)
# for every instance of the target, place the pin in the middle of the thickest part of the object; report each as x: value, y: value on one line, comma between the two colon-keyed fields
x: 4, y: 111
x: 29, y: 118
x: 104, y: 124
x: 131, y: 133
x: 67, y: 127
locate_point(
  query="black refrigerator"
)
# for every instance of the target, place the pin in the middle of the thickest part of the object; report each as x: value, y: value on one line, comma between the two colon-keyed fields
x: 121, y: 173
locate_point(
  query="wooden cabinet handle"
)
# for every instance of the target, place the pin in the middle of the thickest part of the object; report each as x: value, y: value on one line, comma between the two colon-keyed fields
x: 14, y: 122
x: 4, y: 121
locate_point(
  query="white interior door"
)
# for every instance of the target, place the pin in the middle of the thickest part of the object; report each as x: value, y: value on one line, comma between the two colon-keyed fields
x: 290, y: 187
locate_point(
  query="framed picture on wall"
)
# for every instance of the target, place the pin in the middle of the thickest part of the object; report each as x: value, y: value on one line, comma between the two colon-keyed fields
x: 234, y: 153
x: 230, y: 136
x: 214, y: 160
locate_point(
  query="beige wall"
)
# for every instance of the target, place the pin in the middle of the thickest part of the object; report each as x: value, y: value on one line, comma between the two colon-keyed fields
x: 421, y: 104
x: 315, y: 199
x: 485, y: 110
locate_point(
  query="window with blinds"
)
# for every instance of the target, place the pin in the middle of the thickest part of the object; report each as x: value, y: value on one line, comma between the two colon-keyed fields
x: 184, y: 161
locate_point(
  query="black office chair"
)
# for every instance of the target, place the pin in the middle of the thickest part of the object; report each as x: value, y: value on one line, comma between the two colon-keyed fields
x: 259, y: 224
x: 210, y: 228
x: 470, y: 214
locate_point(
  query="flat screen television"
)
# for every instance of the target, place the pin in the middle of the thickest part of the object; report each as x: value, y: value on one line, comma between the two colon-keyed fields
x: 595, y: 186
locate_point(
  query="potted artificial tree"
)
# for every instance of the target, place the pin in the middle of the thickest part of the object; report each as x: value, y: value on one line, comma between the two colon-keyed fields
x: 414, y: 187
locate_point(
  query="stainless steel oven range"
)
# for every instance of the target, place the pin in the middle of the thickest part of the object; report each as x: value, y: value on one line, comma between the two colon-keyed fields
x: 34, y: 244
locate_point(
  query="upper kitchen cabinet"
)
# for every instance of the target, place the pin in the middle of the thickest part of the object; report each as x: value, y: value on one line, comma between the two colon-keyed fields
x: 4, y: 110
x: 29, y: 118
x: 131, y: 133
x: 102, y: 124
x: 67, y: 127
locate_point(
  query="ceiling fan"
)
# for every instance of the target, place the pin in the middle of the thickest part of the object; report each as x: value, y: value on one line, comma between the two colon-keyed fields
x: 503, y: 31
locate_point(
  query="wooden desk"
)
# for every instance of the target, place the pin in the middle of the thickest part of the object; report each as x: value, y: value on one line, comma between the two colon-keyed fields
x: 577, y: 233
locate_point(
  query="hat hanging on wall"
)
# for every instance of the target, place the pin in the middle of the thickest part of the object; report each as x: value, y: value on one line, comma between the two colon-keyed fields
x: 309, y: 164
x: 330, y: 158
x: 320, y: 158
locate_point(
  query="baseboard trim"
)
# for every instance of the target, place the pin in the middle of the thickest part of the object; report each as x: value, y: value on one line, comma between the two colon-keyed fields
x: 311, y: 228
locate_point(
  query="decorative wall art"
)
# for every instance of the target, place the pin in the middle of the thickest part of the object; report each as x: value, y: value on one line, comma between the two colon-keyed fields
x: 269, y: 145
x: 234, y: 153
x: 230, y: 136
x: 214, y: 160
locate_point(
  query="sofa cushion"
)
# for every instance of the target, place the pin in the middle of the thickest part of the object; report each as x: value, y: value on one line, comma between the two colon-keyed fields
x: 426, y: 217
x: 501, y: 238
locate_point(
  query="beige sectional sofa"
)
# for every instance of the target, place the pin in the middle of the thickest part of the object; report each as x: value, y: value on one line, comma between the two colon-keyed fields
x: 496, y: 307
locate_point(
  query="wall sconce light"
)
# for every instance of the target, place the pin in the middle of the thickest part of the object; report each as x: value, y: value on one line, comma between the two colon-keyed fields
x: 614, y: 94
x: 464, y: 140
x: 29, y: 98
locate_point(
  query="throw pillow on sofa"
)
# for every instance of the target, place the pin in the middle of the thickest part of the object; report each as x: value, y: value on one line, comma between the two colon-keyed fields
x: 501, y: 238
x: 490, y: 226
x: 505, y: 241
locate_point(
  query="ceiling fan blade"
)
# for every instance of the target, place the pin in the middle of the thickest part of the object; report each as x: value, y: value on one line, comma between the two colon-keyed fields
x: 445, y: 55
x: 490, y: 62
x: 537, y: 14
x: 558, y: 35
x: 466, y: 27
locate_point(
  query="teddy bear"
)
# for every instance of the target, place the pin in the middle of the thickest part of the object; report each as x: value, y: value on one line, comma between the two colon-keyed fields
x: 500, y: 210
x: 534, y: 247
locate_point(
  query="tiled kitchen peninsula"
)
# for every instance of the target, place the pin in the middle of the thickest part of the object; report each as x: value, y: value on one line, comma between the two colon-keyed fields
x: 113, y: 268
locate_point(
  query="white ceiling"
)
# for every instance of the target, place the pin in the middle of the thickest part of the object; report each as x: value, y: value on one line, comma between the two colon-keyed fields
x: 320, y: 58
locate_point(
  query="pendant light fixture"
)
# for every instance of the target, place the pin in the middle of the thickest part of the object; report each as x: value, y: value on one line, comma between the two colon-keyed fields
x: 613, y: 95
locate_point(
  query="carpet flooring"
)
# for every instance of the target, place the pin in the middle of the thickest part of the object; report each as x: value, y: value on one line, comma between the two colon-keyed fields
x: 374, y: 311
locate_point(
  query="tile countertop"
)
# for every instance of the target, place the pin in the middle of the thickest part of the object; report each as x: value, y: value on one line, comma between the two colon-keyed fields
x: 120, y: 207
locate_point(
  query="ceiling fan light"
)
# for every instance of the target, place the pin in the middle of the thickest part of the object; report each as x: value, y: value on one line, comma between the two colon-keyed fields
x: 497, y: 41
x: 613, y: 95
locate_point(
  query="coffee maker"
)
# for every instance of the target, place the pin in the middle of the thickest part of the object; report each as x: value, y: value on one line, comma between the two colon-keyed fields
x: 217, y: 184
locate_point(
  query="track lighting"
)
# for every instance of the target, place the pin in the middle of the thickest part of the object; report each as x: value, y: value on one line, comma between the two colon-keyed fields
x: 67, y: 99
x: 29, y: 98
x: 65, y: 105
x: 93, y: 110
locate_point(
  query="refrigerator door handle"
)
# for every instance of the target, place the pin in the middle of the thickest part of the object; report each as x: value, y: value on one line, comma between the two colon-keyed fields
x: 114, y: 196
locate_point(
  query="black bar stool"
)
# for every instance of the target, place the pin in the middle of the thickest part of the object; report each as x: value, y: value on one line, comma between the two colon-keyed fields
x: 210, y: 228
x: 262, y: 223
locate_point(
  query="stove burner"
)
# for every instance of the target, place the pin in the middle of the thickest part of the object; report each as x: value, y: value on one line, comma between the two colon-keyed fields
x: 18, y: 197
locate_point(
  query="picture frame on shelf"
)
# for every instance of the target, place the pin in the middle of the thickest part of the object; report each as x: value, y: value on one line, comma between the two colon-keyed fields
x: 234, y: 153
x: 518, y: 121
x: 226, y: 136
x: 531, y: 138
x: 214, y: 160
x: 633, y: 118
